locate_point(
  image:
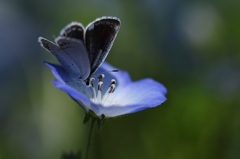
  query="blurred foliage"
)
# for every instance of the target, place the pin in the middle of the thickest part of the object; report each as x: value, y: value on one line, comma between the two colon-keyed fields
x: 192, y: 47
x: 72, y: 155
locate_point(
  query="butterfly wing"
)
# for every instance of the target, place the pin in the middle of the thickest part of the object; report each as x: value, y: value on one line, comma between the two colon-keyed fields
x: 73, y: 30
x: 99, y: 38
x: 71, y: 54
x: 75, y: 49
x: 76, y: 30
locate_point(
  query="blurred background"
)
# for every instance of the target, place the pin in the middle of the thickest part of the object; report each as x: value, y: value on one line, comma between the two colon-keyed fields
x: 192, y: 47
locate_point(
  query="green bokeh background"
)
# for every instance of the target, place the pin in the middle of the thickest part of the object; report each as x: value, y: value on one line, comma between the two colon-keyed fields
x: 192, y: 47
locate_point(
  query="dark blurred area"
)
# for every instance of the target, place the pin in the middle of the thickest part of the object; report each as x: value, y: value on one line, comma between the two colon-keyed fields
x: 192, y: 47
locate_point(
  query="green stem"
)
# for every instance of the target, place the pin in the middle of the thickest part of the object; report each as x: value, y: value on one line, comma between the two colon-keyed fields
x: 90, y: 137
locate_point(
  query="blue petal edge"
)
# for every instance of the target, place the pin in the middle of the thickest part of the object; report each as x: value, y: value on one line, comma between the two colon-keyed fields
x: 58, y: 72
x: 73, y: 93
x: 146, y: 92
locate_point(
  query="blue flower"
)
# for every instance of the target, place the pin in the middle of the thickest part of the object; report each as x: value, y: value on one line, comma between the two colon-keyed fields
x: 111, y: 96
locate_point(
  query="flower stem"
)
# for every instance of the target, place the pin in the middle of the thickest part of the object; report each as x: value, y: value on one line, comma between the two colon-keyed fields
x: 90, y: 137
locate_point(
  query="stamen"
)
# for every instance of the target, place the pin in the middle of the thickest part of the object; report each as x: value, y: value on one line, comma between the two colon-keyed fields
x: 92, y: 89
x: 91, y: 81
x: 110, y: 90
x: 100, y: 82
x: 89, y: 90
x: 99, y: 94
x: 102, y: 73
x: 112, y: 86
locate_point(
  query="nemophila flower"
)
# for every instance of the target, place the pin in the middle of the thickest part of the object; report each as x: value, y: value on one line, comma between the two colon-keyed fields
x: 113, y: 95
x: 101, y: 91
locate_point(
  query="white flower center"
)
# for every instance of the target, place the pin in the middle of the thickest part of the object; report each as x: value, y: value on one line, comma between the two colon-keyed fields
x: 97, y: 95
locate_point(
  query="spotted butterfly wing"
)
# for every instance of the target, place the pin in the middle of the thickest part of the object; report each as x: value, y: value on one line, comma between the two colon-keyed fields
x: 99, y: 38
x: 81, y: 51
x: 71, y: 54
x: 73, y: 30
x: 75, y: 49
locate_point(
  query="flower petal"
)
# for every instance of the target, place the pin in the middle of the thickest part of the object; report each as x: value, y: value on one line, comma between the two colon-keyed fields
x: 63, y: 76
x: 135, y: 97
x: 122, y: 77
x: 114, y: 111
x: 84, y: 101
x: 130, y: 96
x: 146, y: 92
x: 59, y: 73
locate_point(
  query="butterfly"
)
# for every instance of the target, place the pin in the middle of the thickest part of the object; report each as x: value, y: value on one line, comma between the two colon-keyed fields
x: 81, y: 51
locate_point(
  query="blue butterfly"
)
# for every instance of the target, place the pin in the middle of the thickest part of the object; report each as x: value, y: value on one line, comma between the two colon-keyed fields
x: 81, y: 50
